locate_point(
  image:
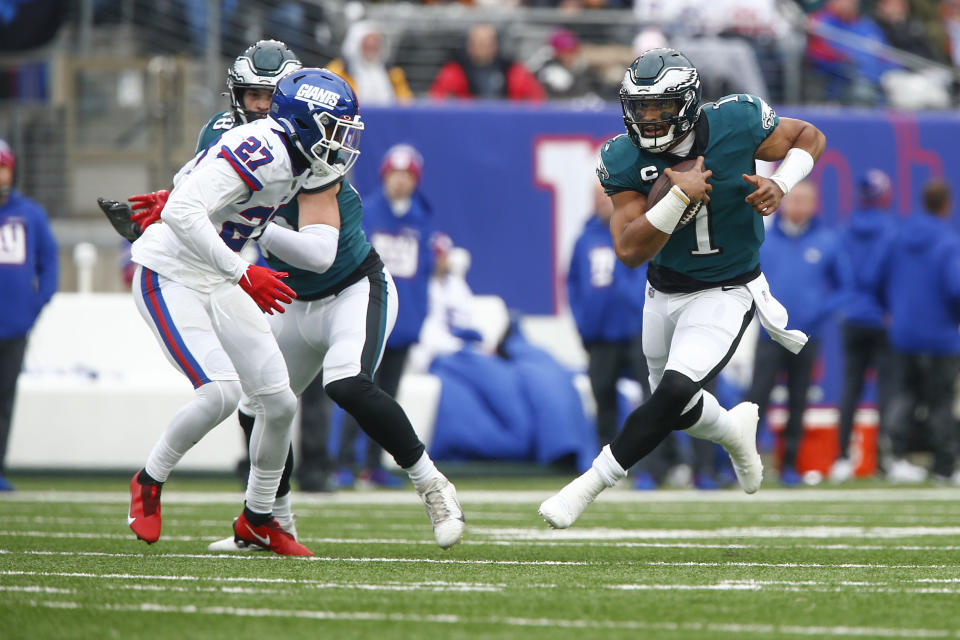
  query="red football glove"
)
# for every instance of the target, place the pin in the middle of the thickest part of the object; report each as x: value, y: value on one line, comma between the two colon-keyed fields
x: 147, y: 207
x: 266, y: 288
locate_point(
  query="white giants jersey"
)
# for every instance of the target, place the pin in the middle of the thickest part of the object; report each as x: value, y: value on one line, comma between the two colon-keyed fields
x: 220, y: 199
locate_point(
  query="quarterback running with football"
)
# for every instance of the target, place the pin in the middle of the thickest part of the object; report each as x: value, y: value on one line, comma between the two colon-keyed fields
x: 704, y: 278
x: 348, y: 301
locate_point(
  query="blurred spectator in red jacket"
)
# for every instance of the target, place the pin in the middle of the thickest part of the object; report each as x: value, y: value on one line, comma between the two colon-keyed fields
x: 481, y: 72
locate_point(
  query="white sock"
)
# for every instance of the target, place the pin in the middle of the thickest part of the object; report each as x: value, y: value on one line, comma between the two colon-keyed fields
x: 714, y: 423
x: 608, y: 468
x: 423, y: 471
x: 262, y: 489
x: 163, y: 458
x: 283, y: 510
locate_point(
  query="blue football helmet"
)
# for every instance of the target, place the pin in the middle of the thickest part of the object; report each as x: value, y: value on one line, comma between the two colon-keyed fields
x: 320, y: 115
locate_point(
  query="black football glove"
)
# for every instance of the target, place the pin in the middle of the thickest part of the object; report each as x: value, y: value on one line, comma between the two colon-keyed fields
x: 118, y: 213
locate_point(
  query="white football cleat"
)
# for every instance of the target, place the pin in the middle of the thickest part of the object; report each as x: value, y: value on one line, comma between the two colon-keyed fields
x: 232, y: 545
x: 562, y: 510
x: 741, y: 444
x: 440, y: 500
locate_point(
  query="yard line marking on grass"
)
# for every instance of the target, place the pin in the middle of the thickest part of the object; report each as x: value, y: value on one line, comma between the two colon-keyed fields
x: 274, y: 557
x: 801, y: 565
x: 476, y: 497
x: 603, y: 533
x: 371, y: 616
x: 35, y: 589
x: 390, y: 585
x: 583, y: 537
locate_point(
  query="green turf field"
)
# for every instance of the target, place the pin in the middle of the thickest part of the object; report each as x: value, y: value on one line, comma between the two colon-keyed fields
x: 810, y: 563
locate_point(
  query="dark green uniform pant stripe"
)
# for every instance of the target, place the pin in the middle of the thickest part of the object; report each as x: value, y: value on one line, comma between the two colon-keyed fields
x: 376, y: 323
x: 747, y: 317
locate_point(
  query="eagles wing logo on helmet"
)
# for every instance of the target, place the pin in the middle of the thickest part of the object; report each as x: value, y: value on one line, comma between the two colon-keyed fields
x: 667, y: 76
x: 259, y: 67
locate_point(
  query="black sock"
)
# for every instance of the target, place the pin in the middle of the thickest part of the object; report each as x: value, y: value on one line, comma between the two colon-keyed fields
x: 256, y: 519
x: 145, y: 478
x: 379, y: 416
x: 650, y: 423
x: 284, y: 487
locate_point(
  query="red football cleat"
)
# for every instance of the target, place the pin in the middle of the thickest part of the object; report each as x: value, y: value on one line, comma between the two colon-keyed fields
x: 144, y: 516
x: 269, y: 536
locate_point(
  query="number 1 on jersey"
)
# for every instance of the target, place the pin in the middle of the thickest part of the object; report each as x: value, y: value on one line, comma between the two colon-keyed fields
x: 704, y: 232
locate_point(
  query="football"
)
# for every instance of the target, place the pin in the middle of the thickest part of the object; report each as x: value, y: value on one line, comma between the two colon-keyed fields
x: 663, y: 185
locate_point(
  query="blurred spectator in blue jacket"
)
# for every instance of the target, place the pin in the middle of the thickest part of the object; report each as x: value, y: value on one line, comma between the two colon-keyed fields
x: 398, y: 222
x: 803, y: 261
x: 839, y: 50
x: 864, y: 332
x: 29, y: 270
x: 919, y: 276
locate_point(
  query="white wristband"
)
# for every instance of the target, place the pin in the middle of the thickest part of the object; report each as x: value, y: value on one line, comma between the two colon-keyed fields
x: 666, y: 214
x: 793, y: 168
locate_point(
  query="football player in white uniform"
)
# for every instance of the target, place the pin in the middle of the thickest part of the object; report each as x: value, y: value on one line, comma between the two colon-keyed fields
x: 210, y: 328
x: 350, y: 301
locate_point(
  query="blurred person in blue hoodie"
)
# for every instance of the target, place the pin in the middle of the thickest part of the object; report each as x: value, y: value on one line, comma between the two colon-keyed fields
x: 29, y: 270
x: 865, y: 342
x: 919, y: 277
x: 805, y: 264
x: 399, y: 223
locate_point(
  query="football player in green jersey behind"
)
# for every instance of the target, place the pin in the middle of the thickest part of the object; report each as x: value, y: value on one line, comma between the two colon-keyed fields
x: 704, y: 282
x: 347, y: 300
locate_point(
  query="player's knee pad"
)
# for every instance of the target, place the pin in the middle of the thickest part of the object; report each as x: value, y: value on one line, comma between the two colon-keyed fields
x: 279, y: 407
x: 351, y: 393
x: 219, y: 397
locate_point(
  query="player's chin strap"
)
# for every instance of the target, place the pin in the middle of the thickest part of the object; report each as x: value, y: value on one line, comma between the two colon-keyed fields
x: 666, y: 213
x: 793, y: 168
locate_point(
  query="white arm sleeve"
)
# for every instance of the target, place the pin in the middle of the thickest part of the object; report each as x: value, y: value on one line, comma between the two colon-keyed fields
x: 794, y: 167
x: 187, y: 212
x: 313, y: 248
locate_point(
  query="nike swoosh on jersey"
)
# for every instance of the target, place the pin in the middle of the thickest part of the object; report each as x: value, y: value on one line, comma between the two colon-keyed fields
x: 264, y: 541
x: 130, y: 520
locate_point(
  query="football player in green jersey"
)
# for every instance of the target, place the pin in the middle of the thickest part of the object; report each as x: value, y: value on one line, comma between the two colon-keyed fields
x: 704, y: 278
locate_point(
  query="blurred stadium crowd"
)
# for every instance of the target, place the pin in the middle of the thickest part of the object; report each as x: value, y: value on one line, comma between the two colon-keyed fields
x: 101, y: 96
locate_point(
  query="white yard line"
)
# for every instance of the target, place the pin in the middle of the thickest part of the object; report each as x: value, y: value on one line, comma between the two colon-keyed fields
x: 429, y: 585
x: 467, y: 497
x: 816, y: 532
x: 446, y: 619
x: 543, y: 563
x: 273, y: 557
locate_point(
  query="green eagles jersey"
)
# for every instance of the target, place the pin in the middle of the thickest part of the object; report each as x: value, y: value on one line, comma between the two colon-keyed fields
x: 723, y: 243
x: 215, y: 128
x: 352, y: 247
